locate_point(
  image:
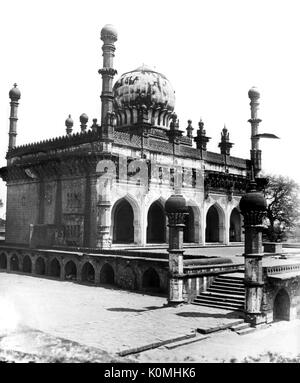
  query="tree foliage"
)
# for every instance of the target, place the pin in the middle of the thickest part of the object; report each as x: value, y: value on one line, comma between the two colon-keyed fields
x: 283, y: 212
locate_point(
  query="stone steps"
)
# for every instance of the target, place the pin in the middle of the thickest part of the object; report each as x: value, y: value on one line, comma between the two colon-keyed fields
x: 226, y: 292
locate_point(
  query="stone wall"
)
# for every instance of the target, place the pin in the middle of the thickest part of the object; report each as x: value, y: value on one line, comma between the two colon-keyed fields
x: 22, y: 210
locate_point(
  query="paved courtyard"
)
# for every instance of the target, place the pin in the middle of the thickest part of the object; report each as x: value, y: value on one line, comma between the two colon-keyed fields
x: 115, y: 320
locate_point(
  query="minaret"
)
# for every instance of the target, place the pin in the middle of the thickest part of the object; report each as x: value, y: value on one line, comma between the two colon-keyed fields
x: 14, y: 95
x: 109, y: 36
x: 255, y: 153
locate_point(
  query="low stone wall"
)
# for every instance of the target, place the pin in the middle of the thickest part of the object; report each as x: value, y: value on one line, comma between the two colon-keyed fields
x: 124, y: 272
x: 137, y: 272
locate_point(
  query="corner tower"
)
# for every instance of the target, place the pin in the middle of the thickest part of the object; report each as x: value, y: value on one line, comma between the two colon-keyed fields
x: 109, y: 36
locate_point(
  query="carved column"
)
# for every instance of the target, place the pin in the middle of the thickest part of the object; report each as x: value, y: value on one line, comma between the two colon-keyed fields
x: 253, y: 206
x: 176, y: 210
x: 103, y: 210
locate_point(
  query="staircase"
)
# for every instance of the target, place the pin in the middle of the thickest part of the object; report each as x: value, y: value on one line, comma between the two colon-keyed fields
x: 226, y: 292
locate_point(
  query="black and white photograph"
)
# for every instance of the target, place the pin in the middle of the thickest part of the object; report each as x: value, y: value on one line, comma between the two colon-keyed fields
x: 149, y: 184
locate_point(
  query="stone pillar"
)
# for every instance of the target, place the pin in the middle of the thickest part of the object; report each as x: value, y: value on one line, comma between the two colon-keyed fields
x: 103, y: 224
x: 14, y: 96
x: 109, y: 36
x: 176, y: 210
x: 253, y: 206
x: 104, y: 210
x: 255, y: 153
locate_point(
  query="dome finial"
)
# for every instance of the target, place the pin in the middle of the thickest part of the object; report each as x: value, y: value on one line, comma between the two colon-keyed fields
x: 14, y: 93
x: 69, y: 125
x: 109, y: 33
x: 253, y: 93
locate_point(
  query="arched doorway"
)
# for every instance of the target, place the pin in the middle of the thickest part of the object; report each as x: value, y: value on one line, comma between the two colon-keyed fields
x: 55, y: 268
x: 14, y: 263
x: 70, y: 271
x: 88, y: 273
x: 156, y: 224
x: 40, y: 266
x: 3, y: 261
x: 107, y: 275
x: 151, y: 280
x: 189, y: 228
x: 281, y: 306
x: 123, y: 230
x: 27, y: 264
x: 212, y: 231
x: 235, y: 226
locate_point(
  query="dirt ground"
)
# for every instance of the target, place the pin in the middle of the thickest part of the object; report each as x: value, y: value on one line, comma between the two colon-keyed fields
x: 79, y: 322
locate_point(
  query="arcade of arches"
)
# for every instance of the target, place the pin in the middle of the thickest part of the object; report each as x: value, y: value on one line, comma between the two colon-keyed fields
x: 156, y: 231
x: 215, y: 225
x: 89, y: 271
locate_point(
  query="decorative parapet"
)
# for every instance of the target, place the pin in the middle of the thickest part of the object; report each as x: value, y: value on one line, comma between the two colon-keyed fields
x: 62, y: 142
x: 227, y: 182
x: 278, y: 269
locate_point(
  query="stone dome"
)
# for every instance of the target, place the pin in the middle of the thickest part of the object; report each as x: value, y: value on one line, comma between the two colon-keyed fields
x: 253, y: 201
x: 110, y: 32
x: 14, y: 93
x: 69, y: 121
x: 146, y: 90
x: 253, y: 93
x: 83, y: 118
x: 176, y: 204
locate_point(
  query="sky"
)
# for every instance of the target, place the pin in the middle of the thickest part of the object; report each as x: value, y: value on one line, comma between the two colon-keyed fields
x: 212, y: 51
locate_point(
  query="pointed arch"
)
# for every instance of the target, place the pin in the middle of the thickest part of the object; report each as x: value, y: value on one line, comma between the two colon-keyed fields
x: 191, y: 231
x: 14, y: 263
x: 156, y: 222
x: 281, y: 306
x: 125, y: 220
x: 40, y: 266
x: 107, y: 274
x: 235, y: 226
x: 55, y: 268
x: 27, y: 264
x: 88, y: 273
x: 151, y: 280
x: 71, y: 271
x: 215, y: 218
x: 3, y: 261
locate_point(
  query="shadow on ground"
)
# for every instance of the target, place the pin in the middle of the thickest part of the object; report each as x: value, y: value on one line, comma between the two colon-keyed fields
x: 193, y: 314
x: 129, y: 310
